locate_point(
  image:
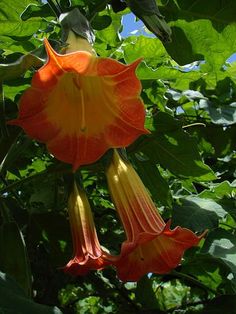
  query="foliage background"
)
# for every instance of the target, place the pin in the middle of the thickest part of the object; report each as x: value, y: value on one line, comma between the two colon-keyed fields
x: 187, y: 163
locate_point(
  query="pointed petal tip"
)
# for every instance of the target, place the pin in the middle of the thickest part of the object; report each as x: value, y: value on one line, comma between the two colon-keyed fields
x: 136, y: 63
x: 50, y: 51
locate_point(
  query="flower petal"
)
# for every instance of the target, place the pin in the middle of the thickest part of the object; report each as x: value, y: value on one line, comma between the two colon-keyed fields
x: 160, y: 255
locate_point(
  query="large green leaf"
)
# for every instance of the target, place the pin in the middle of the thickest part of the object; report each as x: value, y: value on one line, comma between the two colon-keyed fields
x: 34, y: 10
x: 197, y: 214
x: 201, y: 30
x: 110, y: 35
x: 11, y: 23
x: 209, y: 270
x: 13, y: 299
x: 14, y: 256
x: 146, y: 295
x: 221, y: 244
x: 16, y: 69
x: 175, y: 149
x: 221, y: 139
x: 153, y: 180
x: 150, y: 49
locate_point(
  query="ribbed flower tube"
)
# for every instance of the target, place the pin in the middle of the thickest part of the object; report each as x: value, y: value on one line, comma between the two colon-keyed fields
x: 88, y: 254
x: 151, y: 246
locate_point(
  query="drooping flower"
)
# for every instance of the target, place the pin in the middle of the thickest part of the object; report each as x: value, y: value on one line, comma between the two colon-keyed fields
x: 88, y: 254
x: 151, y: 246
x: 81, y: 105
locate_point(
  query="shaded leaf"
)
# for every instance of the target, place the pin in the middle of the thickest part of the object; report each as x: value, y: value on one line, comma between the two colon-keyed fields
x: 14, y: 256
x: 221, y: 244
x: 101, y: 21
x: 155, y: 183
x: 209, y: 270
x: 34, y: 10
x: 175, y: 149
x: 215, y: 26
x: 11, y: 23
x: 13, y: 299
x: 16, y: 69
x: 145, y: 294
x: 197, y: 214
x: 13, y: 153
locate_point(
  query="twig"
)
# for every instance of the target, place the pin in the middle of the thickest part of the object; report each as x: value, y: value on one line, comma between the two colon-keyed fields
x: 193, y: 124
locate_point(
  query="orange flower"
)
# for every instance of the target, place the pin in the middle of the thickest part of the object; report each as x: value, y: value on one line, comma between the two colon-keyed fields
x: 81, y: 105
x: 150, y: 246
x: 88, y: 253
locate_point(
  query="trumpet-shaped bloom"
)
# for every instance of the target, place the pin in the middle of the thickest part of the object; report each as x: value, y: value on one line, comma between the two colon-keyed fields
x: 81, y: 105
x: 88, y: 253
x: 151, y: 245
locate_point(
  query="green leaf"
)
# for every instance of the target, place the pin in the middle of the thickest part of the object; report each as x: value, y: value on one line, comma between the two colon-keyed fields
x: 145, y: 294
x: 11, y: 23
x: 224, y: 114
x: 209, y: 270
x: 201, y: 30
x: 34, y: 10
x: 219, y: 190
x: 110, y: 35
x: 14, y: 152
x: 221, y: 139
x: 197, y: 214
x: 175, y: 149
x: 221, y: 244
x: 153, y: 180
x: 56, y: 235
x: 224, y: 194
x: 13, y: 299
x: 150, y: 49
x: 14, y: 256
x: 16, y: 69
x: 101, y: 21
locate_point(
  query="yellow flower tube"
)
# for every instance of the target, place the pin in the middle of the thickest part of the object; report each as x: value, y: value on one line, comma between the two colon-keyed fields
x: 88, y: 254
